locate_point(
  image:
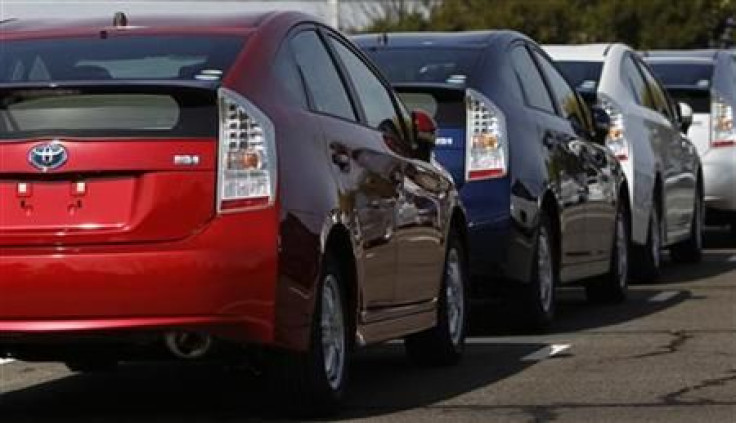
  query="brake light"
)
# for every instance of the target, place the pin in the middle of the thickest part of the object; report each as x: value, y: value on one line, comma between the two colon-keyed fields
x: 246, y: 172
x: 721, y: 127
x: 615, y: 140
x: 486, y: 146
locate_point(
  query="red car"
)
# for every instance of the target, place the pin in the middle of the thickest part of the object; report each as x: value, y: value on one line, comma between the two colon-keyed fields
x: 173, y: 186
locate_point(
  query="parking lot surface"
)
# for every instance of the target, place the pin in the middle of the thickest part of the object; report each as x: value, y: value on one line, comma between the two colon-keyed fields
x: 668, y: 354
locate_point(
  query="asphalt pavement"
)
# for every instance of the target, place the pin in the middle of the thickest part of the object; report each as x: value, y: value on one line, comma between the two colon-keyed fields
x: 667, y: 355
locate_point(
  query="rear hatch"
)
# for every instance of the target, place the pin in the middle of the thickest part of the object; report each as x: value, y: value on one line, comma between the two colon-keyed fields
x: 446, y: 104
x: 109, y: 137
x: 690, y: 82
x: 105, y: 163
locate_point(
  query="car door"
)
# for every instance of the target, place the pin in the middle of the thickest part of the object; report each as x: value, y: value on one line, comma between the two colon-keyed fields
x: 565, y: 170
x: 679, y: 183
x: 600, y: 201
x: 366, y: 171
x: 417, y: 216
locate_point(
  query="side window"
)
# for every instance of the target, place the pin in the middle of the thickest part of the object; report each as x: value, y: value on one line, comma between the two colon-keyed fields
x: 531, y: 82
x: 327, y: 90
x: 376, y: 99
x: 288, y: 75
x: 635, y: 82
x: 659, y: 98
x: 565, y: 96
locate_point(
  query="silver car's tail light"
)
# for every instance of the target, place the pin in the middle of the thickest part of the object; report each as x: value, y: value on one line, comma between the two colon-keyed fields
x: 722, y: 128
x: 486, y: 146
x: 246, y: 170
x: 615, y: 140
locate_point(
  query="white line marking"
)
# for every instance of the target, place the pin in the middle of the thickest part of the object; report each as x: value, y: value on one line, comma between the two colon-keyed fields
x: 547, y: 352
x: 664, y: 296
x: 6, y: 361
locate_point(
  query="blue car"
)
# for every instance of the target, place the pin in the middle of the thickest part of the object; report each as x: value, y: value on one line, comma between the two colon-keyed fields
x: 546, y: 201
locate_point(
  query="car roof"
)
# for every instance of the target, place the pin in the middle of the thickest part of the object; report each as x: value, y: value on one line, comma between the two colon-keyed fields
x: 435, y: 39
x: 579, y: 52
x: 215, y: 23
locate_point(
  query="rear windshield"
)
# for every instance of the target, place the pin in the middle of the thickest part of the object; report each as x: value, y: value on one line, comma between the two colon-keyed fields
x: 683, y: 74
x: 697, y: 98
x: 446, y: 106
x: 582, y: 75
x: 434, y: 65
x: 108, y: 111
x: 116, y: 58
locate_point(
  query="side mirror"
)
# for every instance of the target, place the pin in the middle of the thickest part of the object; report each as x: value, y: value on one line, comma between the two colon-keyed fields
x: 425, y: 132
x: 686, y: 116
x: 601, y: 123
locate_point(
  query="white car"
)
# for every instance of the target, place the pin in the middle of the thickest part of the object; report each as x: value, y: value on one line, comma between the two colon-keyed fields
x: 705, y: 79
x: 660, y: 162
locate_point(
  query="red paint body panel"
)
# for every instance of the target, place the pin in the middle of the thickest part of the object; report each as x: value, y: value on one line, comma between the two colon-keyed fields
x: 221, y: 280
x: 133, y: 193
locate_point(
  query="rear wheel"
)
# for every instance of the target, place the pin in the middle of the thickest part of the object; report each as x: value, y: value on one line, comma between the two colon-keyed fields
x: 314, y: 383
x: 648, y: 259
x: 691, y: 250
x: 444, y: 344
x: 613, y: 287
x: 537, y: 298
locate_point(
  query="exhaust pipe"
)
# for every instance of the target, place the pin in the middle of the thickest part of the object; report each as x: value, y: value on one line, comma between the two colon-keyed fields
x: 188, y: 345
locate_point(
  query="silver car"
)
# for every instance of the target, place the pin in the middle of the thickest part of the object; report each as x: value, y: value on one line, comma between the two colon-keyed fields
x: 646, y: 135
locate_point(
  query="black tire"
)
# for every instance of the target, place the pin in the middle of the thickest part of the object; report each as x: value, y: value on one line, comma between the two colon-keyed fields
x: 691, y: 250
x: 613, y: 287
x: 444, y: 344
x: 647, y: 259
x: 299, y: 383
x: 537, y: 298
x: 101, y: 365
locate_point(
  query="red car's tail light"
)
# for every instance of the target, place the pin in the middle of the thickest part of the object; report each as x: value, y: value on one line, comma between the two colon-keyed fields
x: 246, y: 172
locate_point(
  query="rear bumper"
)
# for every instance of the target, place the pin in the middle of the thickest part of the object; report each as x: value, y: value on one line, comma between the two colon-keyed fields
x: 221, y: 281
x: 719, y: 174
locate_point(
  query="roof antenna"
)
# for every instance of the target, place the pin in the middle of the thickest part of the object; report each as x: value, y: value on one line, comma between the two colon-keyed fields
x: 120, y: 20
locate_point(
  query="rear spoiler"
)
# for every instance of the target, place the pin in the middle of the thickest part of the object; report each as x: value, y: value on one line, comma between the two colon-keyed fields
x: 130, y: 83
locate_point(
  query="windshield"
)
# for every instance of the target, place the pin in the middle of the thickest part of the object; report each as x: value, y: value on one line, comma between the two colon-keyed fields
x: 582, y: 75
x: 683, y: 74
x: 434, y: 65
x: 123, y: 57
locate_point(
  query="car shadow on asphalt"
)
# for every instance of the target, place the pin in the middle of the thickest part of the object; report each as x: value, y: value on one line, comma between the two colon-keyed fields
x: 383, y: 381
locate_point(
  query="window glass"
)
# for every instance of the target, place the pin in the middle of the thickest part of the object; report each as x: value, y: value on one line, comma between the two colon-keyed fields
x: 565, y: 96
x: 321, y: 76
x: 380, y: 112
x: 682, y: 74
x: 288, y: 75
x: 130, y: 57
x: 635, y: 82
x: 430, y: 64
x: 660, y: 101
x: 531, y: 82
x: 583, y: 76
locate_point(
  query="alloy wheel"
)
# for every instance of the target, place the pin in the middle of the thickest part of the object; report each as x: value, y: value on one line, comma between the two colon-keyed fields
x: 454, y: 294
x: 333, y: 332
x: 546, y: 271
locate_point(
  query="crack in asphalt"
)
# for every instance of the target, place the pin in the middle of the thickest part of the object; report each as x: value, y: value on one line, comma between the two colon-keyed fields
x: 679, y: 339
x: 675, y: 398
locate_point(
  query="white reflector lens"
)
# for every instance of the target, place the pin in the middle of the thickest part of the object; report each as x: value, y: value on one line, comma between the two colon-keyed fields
x: 247, y: 164
x: 486, y: 143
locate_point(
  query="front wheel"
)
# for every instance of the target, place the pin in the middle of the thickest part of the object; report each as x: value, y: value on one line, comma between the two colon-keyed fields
x: 613, y: 287
x: 691, y: 250
x: 444, y: 344
x: 313, y: 383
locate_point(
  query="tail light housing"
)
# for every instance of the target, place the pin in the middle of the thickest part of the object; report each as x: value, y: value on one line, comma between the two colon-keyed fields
x: 486, y: 146
x: 615, y: 140
x: 721, y: 127
x: 246, y: 170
